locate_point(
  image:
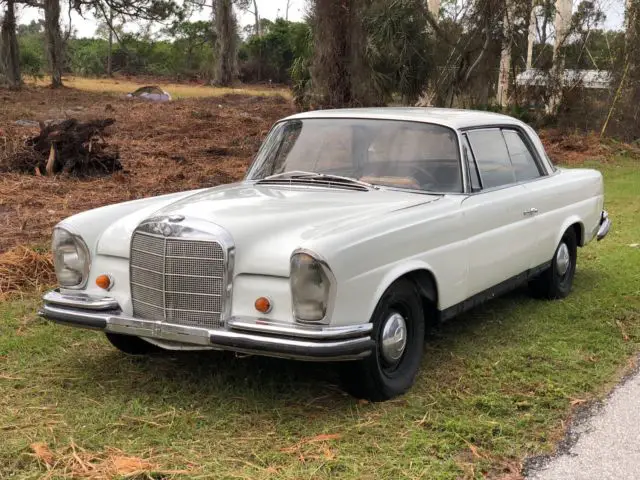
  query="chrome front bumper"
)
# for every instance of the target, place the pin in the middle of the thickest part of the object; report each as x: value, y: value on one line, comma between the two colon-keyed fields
x: 245, y: 335
x: 604, y: 227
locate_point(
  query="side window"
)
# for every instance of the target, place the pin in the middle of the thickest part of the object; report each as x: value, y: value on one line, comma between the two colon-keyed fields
x: 524, y: 164
x: 492, y: 157
x: 472, y: 168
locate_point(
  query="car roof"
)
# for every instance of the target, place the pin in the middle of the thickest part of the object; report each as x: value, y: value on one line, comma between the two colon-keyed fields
x: 449, y: 117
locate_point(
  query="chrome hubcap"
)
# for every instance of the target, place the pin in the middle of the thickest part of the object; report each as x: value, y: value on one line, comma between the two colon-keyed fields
x: 563, y: 259
x: 394, y: 337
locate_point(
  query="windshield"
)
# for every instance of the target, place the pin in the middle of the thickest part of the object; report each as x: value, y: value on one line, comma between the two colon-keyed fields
x: 419, y: 156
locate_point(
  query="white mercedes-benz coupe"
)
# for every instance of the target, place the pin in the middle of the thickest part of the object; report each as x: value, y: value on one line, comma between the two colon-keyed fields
x: 352, y: 230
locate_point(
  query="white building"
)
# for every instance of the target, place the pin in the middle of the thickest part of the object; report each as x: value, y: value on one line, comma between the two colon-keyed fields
x: 595, y: 79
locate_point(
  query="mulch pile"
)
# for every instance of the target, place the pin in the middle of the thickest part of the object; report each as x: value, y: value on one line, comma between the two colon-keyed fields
x: 164, y: 148
x: 24, y: 269
x: 71, y: 147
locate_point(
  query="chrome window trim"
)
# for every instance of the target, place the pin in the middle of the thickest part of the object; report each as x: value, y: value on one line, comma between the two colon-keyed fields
x: 194, y: 229
x: 465, y: 139
x: 526, y: 138
x: 530, y: 146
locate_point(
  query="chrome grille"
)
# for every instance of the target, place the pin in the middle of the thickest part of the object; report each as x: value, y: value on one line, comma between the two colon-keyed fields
x: 177, y: 280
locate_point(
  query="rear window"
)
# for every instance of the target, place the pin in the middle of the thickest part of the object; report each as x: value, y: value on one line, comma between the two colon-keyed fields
x: 524, y: 164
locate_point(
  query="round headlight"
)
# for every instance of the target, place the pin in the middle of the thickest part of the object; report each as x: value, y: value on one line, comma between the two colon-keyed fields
x: 310, y: 287
x: 70, y: 258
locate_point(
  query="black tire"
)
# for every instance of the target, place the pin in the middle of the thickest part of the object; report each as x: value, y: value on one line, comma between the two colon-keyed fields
x: 553, y: 283
x: 375, y: 378
x: 131, y: 345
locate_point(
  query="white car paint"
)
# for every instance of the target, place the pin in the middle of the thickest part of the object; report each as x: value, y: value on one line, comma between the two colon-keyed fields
x: 469, y: 242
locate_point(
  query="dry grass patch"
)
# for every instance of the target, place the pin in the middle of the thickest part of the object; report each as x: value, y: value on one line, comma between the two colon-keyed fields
x: 24, y: 270
x: 177, y: 90
x: 75, y: 462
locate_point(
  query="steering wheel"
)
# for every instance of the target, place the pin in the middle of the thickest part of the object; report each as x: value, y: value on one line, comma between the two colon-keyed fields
x: 426, y: 175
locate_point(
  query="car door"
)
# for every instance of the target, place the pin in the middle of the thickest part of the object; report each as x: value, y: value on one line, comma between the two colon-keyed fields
x: 543, y: 195
x: 499, y: 227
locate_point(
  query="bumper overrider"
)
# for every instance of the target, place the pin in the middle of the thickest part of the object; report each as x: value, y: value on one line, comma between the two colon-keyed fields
x: 245, y: 335
x: 604, y: 227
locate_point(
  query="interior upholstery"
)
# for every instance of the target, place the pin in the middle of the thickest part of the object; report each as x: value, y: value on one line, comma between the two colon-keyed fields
x: 400, y: 182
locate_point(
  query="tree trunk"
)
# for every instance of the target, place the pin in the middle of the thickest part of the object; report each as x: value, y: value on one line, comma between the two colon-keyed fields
x: 286, y: 11
x: 562, y: 25
x: 226, y: 42
x: 531, y: 37
x: 340, y: 74
x: 9, y: 53
x: 630, y: 21
x: 257, y: 18
x: 53, y: 40
x: 110, y: 50
x: 502, y: 95
x: 434, y: 8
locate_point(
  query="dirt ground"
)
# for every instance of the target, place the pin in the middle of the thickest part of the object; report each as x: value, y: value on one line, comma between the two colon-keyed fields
x: 186, y: 144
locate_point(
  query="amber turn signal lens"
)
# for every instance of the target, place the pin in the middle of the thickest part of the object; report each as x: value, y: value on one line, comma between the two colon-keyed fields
x: 263, y: 305
x: 104, y: 282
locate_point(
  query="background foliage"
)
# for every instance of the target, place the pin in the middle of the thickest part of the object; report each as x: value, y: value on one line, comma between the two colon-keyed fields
x: 373, y: 52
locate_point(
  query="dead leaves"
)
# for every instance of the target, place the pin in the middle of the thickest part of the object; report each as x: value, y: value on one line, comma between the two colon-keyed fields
x: 43, y: 453
x: 76, y: 462
x: 314, y: 448
x: 623, y: 330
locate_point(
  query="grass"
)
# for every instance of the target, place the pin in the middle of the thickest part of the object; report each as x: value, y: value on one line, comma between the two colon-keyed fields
x: 496, y: 386
x: 177, y: 90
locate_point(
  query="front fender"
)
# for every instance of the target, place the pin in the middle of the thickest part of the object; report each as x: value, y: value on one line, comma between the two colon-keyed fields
x: 357, y: 297
x: 396, y: 272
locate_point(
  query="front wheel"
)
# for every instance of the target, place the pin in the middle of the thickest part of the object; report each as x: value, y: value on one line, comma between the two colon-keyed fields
x: 557, y: 280
x: 399, y: 332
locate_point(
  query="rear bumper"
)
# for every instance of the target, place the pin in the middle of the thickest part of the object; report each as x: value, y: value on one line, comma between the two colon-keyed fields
x: 604, y: 227
x: 246, y: 335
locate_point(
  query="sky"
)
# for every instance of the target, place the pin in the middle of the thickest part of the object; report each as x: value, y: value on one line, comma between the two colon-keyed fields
x: 271, y: 9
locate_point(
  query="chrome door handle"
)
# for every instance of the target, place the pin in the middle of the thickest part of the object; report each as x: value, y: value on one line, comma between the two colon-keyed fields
x: 531, y: 212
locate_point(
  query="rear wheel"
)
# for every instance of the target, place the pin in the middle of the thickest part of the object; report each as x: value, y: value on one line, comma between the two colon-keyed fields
x: 399, y: 332
x: 131, y: 345
x: 557, y: 280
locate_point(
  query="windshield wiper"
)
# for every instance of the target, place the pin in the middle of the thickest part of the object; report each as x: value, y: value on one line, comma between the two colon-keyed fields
x: 291, y: 174
x: 327, y: 177
x: 324, y: 177
x: 321, y: 177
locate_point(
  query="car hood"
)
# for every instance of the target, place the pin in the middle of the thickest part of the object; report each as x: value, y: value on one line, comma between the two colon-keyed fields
x: 268, y: 222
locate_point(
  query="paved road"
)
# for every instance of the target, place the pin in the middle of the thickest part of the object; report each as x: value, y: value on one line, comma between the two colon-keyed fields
x: 608, y: 443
